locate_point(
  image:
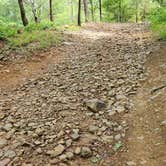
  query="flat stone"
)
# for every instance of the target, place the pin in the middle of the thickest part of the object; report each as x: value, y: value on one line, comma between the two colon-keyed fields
x: 77, y: 150
x: 117, y: 137
x: 120, y: 109
x: 3, y: 142
x: 68, y: 142
x: 7, y: 127
x: 163, y: 123
x: 93, y: 128
x: 107, y: 139
x: 75, y: 136
x: 39, y: 150
x: 63, y: 157
x: 111, y: 112
x: 70, y: 155
x: 10, y: 154
x: 57, y: 151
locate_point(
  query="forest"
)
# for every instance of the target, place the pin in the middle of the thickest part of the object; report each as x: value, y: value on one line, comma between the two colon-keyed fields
x: 41, y: 14
x: 82, y: 82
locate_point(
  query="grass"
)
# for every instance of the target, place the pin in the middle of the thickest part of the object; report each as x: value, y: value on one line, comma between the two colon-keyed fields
x: 158, y: 22
x: 37, y: 36
x: 41, y: 39
x: 34, y: 37
x: 31, y: 37
x: 160, y: 30
x: 7, y: 30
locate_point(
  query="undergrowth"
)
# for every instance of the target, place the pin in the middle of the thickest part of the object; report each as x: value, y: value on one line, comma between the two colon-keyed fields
x: 41, y: 35
x: 158, y: 22
x: 40, y: 38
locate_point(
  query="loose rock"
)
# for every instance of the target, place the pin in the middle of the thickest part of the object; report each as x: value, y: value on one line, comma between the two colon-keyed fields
x: 57, y: 151
x: 95, y: 105
x: 3, y: 143
x: 86, y: 152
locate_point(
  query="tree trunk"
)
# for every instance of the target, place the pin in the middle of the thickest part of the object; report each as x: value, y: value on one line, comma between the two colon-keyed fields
x: 22, y: 11
x: 136, y: 11
x: 92, y: 9
x: 34, y: 11
x: 86, y: 10
x: 100, y: 10
x: 51, y: 13
x: 72, y: 10
x: 35, y: 16
x: 120, y: 11
x: 79, y: 13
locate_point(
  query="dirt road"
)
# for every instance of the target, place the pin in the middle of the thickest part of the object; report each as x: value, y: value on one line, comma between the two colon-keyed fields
x: 98, y: 99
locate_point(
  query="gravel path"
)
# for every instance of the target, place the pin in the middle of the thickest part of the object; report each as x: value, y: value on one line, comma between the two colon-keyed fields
x: 76, y: 112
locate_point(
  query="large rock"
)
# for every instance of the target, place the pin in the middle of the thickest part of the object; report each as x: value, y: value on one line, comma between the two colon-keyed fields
x: 95, y: 105
x: 58, y: 150
x: 86, y: 152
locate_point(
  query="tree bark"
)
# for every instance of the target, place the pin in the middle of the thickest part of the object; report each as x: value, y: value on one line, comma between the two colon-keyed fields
x: 79, y: 13
x: 23, y: 14
x: 136, y: 11
x: 86, y: 10
x: 92, y: 9
x: 51, y: 11
x: 120, y: 11
x: 34, y: 11
x: 100, y: 10
x: 72, y: 10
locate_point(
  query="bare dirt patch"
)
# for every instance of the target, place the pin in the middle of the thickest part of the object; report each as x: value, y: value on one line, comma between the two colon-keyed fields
x: 146, y: 141
x: 16, y: 73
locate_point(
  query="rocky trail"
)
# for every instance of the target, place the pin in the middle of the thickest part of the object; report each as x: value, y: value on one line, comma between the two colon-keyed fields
x: 97, y: 99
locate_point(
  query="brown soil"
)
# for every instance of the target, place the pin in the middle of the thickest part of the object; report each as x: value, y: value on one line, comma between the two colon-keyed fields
x: 147, y: 137
x: 16, y: 73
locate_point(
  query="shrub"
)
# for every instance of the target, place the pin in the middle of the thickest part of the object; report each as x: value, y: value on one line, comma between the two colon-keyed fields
x: 7, y: 30
x: 158, y: 21
x: 39, y: 26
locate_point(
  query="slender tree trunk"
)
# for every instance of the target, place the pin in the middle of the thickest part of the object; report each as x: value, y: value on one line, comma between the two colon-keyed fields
x: 100, y: 10
x: 136, y: 11
x: 92, y: 9
x: 86, y: 10
x: 34, y: 11
x: 120, y: 11
x: 35, y: 16
x: 51, y: 13
x: 79, y: 13
x: 23, y: 14
x: 72, y: 11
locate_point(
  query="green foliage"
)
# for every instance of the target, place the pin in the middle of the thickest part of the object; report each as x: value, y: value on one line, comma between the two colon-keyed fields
x: 40, y: 38
x: 7, y: 30
x: 127, y: 10
x: 158, y: 21
x: 40, y: 26
x: 41, y: 35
